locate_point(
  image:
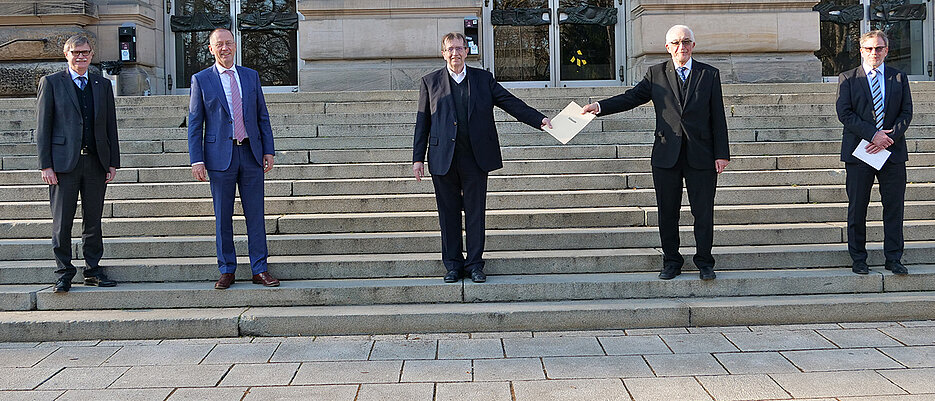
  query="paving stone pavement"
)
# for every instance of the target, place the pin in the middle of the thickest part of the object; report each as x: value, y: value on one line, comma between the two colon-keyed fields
x: 878, y: 361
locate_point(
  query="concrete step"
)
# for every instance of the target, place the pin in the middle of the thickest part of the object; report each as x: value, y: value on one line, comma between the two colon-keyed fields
x: 578, y: 261
x: 281, y: 205
x: 499, y: 288
x: 463, y: 317
x: 496, y: 240
x: 300, y: 223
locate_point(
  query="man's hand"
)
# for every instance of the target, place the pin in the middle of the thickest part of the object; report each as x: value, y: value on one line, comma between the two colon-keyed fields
x: 880, y: 141
x: 592, y: 108
x: 267, y: 163
x: 418, y: 170
x: 720, y: 165
x: 546, y: 122
x: 111, y: 174
x: 49, y: 177
x: 199, y: 172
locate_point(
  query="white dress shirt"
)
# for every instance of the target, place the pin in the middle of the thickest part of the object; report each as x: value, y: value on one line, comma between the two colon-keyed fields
x: 458, y: 77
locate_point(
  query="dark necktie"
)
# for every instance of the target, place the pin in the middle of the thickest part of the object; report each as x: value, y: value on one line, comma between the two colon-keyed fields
x: 82, y: 81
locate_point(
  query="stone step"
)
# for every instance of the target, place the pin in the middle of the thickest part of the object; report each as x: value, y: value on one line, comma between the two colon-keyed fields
x: 463, y: 317
x: 397, y: 265
x: 496, y: 240
x: 276, y: 205
x: 498, y: 288
x: 626, y: 216
x: 496, y: 183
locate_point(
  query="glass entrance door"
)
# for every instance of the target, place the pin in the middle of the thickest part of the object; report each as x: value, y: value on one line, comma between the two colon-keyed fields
x: 907, y: 23
x: 265, y: 30
x: 554, y: 43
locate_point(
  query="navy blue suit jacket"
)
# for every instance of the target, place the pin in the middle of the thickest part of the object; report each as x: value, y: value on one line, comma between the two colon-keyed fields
x: 436, y: 120
x: 211, y: 125
x: 855, y: 111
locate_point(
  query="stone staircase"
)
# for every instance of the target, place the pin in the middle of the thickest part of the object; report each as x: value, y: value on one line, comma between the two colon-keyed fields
x: 572, y: 239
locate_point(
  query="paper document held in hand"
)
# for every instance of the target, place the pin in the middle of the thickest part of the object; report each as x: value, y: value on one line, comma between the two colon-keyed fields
x: 875, y: 160
x: 569, y: 122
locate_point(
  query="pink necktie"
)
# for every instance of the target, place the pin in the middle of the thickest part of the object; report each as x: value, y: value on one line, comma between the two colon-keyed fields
x: 240, y: 131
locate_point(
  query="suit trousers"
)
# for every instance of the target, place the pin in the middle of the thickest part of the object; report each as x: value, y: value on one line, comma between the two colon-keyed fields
x: 464, y: 187
x: 701, y: 184
x: 87, y: 180
x: 245, y: 174
x: 859, y: 181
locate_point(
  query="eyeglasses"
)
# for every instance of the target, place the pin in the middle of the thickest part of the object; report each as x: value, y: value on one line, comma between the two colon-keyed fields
x: 84, y: 53
x: 870, y: 49
x: 229, y: 43
x: 684, y: 42
x: 454, y: 49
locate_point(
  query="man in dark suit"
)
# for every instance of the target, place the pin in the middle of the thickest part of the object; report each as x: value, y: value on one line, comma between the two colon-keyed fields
x: 76, y: 136
x: 230, y: 140
x: 455, y: 122
x: 875, y: 105
x: 691, y: 144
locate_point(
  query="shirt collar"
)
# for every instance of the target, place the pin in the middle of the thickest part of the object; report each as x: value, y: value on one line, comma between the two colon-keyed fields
x: 687, y: 65
x: 221, y: 68
x: 75, y: 75
x: 457, y: 77
x: 867, y: 69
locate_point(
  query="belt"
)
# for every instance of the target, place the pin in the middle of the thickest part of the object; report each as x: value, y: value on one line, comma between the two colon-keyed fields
x: 243, y: 142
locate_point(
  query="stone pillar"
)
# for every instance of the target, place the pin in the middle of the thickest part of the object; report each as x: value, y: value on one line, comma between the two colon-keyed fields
x: 750, y: 41
x: 375, y: 44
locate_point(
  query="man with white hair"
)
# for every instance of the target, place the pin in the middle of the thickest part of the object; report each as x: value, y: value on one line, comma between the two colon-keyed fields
x: 691, y: 144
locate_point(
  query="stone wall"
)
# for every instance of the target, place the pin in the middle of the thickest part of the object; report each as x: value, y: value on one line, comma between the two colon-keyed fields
x: 375, y: 44
x: 750, y: 41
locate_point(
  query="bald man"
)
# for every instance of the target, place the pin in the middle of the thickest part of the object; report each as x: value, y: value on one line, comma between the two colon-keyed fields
x: 690, y: 145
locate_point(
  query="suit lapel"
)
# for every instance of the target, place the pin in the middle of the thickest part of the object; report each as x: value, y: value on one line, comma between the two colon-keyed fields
x: 694, y: 79
x: 97, y: 91
x: 673, y: 82
x: 472, y: 89
x: 66, y: 77
x: 864, y: 85
x: 443, y: 76
x: 215, y: 79
x: 889, y: 77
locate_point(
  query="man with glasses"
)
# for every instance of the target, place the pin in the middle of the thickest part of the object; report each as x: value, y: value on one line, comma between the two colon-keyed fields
x: 691, y: 145
x: 76, y: 136
x: 875, y: 105
x: 455, y: 122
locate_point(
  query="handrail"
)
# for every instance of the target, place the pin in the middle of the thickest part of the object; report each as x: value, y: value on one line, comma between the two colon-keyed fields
x: 23, y: 40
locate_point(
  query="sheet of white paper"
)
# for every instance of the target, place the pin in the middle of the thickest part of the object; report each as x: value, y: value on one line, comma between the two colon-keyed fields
x: 875, y: 160
x: 569, y: 122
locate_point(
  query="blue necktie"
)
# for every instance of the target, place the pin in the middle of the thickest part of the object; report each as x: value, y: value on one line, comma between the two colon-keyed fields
x: 682, y: 73
x: 82, y: 81
x: 877, y: 94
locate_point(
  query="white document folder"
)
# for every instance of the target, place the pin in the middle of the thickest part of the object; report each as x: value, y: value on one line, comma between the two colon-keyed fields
x: 569, y: 122
x: 875, y: 160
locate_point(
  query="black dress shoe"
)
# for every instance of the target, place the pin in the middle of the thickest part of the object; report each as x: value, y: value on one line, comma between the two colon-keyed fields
x: 860, y: 267
x: 452, y: 276
x: 99, y: 280
x: 896, y: 267
x: 706, y: 273
x: 478, y: 276
x: 670, y: 272
x: 62, y: 286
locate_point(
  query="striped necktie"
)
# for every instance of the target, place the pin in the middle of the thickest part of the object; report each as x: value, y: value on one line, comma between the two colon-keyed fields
x: 877, y: 94
x: 240, y: 131
x: 82, y: 81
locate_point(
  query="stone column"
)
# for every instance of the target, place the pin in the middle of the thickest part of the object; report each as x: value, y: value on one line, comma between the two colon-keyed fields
x: 750, y: 41
x: 375, y: 44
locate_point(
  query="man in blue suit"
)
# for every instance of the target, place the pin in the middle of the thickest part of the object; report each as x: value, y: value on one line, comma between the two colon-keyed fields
x: 230, y: 140
x: 455, y: 122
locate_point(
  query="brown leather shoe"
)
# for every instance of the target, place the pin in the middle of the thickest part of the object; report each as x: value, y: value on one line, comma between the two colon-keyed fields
x: 225, y: 281
x: 266, y: 279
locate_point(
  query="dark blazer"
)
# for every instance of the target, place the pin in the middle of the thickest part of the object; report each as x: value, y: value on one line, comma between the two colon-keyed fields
x: 855, y: 111
x: 211, y: 124
x: 436, y: 120
x: 59, y: 124
x: 701, y: 121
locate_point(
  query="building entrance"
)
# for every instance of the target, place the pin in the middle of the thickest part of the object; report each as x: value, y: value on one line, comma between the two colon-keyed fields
x: 554, y: 43
x: 907, y: 23
x: 265, y: 30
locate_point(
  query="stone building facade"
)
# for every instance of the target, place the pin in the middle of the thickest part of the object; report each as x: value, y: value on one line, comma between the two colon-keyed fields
x: 311, y: 45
